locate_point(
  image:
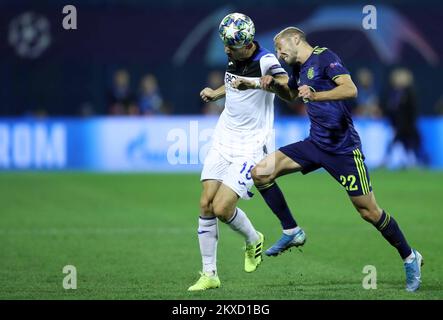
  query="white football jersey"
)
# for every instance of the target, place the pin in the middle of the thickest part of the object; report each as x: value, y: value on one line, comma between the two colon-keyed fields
x: 246, y: 123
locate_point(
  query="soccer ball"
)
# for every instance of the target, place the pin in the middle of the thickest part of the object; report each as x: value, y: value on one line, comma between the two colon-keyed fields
x: 236, y: 30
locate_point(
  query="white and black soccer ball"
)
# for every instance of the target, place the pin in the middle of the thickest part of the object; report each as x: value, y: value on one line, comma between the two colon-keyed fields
x: 236, y: 30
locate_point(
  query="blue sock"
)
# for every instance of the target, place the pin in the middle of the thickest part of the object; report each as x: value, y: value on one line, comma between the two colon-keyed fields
x: 391, y: 232
x: 276, y: 201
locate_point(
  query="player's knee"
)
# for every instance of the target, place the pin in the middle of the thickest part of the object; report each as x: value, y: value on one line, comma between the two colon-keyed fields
x: 371, y: 215
x: 221, y: 210
x: 365, y: 214
x: 205, y: 206
x: 258, y: 179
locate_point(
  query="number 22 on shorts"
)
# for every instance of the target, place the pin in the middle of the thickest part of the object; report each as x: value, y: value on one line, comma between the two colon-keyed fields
x: 349, y: 183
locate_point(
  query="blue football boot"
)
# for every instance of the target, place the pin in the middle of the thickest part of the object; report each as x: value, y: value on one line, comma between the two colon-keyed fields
x: 286, y: 242
x: 413, y: 272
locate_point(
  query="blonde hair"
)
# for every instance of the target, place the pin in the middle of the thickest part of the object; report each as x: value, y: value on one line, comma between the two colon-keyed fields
x: 290, y: 32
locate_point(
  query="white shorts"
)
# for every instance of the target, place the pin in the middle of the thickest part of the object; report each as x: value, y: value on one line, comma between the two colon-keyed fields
x: 234, y: 173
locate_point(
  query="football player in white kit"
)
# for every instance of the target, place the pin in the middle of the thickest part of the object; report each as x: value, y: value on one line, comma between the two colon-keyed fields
x: 239, y: 143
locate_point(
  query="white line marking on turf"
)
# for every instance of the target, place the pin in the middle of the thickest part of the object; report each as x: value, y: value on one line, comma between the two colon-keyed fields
x: 93, y: 231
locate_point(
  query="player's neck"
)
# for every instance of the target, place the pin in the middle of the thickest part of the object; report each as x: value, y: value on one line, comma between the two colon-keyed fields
x: 305, y: 52
x: 250, y: 51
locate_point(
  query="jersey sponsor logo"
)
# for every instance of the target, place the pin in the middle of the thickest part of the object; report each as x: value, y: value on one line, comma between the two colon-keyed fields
x: 229, y: 78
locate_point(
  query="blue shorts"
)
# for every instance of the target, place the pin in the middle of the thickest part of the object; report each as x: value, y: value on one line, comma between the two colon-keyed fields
x: 348, y: 169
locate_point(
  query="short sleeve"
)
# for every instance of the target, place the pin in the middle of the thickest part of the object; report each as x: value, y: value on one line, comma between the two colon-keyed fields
x: 270, y: 65
x: 333, y: 66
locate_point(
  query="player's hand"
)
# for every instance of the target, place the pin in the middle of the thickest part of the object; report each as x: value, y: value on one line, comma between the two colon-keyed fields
x: 207, y: 94
x: 243, y: 84
x: 305, y: 92
x: 267, y: 82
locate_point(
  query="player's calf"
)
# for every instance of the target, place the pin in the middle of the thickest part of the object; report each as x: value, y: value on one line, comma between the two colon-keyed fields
x: 412, y: 259
x: 275, y: 199
x: 367, y: 207
x: 390, y: 230
x: 225, y: 208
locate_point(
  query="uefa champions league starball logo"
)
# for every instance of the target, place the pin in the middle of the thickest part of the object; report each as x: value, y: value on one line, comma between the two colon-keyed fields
x: 237, y: 30
x: 29, y: 34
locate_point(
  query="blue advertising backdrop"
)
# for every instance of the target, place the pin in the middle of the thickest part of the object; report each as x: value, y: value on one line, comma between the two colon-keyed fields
x: 163, y: 144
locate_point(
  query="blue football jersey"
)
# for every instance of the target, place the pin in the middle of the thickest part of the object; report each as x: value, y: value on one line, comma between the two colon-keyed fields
x: 332, y: 128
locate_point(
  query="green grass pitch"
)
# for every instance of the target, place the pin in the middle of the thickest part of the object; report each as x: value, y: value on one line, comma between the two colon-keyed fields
x: 133, y: 236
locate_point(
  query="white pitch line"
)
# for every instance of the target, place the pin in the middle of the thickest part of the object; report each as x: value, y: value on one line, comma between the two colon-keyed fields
x: 94, y: 231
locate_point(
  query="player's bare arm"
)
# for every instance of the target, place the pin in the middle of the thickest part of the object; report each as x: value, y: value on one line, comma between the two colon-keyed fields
x: 245, y: 84
x: 208, y: 94
x: 345, y: 89
x: 278, y: 85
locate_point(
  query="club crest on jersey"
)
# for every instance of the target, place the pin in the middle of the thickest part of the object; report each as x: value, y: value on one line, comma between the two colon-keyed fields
x: 311, y: 73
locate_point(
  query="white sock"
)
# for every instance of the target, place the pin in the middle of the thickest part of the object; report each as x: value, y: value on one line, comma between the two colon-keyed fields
x: 208, y: 238
x: 292, y: 231
x: 241, y: 223
x: 410, y: 258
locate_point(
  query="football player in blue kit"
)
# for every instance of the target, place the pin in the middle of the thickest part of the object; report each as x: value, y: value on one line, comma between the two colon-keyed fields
x: 325, y: 85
